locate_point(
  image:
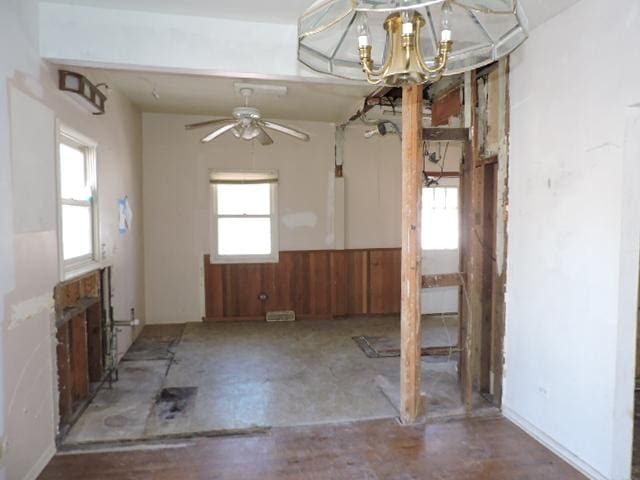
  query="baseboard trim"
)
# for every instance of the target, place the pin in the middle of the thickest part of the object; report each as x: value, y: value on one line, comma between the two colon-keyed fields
x: 42, y: 462
x: 552, y: 445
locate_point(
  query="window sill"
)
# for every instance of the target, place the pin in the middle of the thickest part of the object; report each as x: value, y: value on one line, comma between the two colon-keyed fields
x: 78, y: 270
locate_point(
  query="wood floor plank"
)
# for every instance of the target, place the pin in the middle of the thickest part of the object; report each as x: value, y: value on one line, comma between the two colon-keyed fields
x: 478, y: 449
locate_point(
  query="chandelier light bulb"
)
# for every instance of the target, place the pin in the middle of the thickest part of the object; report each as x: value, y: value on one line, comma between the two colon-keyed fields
x: 447, y: 13
x: 410, y: 41
x: 364, y: 38
x: 407, y: 24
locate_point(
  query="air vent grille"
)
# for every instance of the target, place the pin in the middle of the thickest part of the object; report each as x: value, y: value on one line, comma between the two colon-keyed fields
x: 281, y: 316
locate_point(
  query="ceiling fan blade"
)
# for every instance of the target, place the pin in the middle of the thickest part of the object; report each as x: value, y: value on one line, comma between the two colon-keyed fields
x: 218, y: 132
x: 264, y: 137
x: 208, y: 123
x: 286, y: 130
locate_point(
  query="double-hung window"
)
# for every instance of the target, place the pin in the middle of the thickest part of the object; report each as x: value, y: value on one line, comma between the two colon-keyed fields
x: 440, y: 218
x: 77, y: 189
x: 244, y: 223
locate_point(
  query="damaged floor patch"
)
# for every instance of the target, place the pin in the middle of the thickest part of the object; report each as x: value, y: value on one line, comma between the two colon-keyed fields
x: 175, y: 401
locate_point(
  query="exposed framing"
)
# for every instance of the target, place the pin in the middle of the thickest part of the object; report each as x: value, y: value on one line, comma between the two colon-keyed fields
x: 483, y: 247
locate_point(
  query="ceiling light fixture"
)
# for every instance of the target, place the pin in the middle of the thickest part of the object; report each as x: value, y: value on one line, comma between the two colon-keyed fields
x: 89, y: 94
x: 247, y: 123
x: 404, y: 42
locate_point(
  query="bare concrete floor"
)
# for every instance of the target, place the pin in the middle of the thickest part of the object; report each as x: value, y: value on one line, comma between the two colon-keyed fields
x: 206, y: 377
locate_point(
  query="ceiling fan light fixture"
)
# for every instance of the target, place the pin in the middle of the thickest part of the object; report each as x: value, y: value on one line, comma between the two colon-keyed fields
x: 247, y: 124
x: 250, y: 132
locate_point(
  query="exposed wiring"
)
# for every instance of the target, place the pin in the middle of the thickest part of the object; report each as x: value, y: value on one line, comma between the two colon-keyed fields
x: 432, y: 157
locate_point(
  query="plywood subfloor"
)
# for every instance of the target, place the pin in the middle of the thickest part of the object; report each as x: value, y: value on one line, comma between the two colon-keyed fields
x: 478, y: 449
x: 244, y: 375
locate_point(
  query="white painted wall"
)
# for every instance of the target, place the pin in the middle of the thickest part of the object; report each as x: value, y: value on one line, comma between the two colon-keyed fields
x: 573, y: 235
x: 176, y: 199
x: 176, y: 43
x: 29, y: 105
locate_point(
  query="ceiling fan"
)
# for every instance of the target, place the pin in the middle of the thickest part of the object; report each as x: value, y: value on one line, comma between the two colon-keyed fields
x: 247, y: 123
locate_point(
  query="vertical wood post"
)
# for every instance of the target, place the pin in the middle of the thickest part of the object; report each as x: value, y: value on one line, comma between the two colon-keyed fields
x: 474, y: 267
x: 410, y: 331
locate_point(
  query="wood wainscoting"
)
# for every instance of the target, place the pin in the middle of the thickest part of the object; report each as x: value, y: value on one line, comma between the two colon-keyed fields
x: 314, y: 284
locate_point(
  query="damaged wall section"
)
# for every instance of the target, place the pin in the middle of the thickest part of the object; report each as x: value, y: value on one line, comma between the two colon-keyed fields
x: 570, y: 335
x: 29, y: 106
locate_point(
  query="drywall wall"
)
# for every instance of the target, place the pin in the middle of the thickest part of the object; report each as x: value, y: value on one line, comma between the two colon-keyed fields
x: 177, y: 43
x: 30, y: 104
x: 176, y: 199
x: 573, y: 235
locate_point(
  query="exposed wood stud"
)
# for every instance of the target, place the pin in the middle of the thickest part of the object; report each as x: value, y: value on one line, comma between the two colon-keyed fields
x: 444, y: 134
x: 443, y: 280
x: 487, y: 232
x: 443, y: 174
x: 446, y: 106
x: 464, y: 305
x: 501, y: 232
x: 475, y: 260
x: 410, y: 331
x: 472, y: 253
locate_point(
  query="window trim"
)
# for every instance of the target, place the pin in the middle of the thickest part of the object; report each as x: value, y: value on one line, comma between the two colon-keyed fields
x: 447, y: 182
x: 78, y: 265
x: 274, y: 256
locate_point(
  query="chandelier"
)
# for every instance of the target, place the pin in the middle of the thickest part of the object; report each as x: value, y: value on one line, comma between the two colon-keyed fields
x: 403, y: 42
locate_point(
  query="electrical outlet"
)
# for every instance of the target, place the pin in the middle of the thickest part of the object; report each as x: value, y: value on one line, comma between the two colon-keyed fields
x: 543, y: 391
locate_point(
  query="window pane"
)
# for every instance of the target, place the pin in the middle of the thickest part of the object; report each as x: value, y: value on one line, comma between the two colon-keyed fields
x: 440, y: 218
x: 452, y: 198
x: 244, y: 236
x: 73, y: 174
x: 247, y: 199
x: 77, y: 231
x: 439, y: 198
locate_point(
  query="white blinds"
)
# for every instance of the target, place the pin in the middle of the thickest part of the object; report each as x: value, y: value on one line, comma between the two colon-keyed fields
x: 237, y: 177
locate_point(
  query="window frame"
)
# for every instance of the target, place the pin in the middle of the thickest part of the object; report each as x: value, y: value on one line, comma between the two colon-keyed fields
x: 78, y: 265
x: 272, y: 257
x: 447, y: 182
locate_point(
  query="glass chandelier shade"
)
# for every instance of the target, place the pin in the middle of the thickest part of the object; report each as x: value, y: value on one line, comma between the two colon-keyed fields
x: 400, y: 42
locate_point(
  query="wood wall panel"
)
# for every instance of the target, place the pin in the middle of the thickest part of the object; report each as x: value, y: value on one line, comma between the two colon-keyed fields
x: 319, y: 283
x: 384, y: 281
x: 213, y: 292
x: 357, y: 282
x: 338, y: 283
x: 318, y: 292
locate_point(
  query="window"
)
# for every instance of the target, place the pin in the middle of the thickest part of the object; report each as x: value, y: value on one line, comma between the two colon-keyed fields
x: 78, y: 207
x: 440, y: 218
x: 244, y: 220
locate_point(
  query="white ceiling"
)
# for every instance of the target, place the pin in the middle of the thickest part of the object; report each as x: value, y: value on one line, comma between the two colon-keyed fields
x: 275, y: 11
x: 216, y: 96
x: 270, y: 11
